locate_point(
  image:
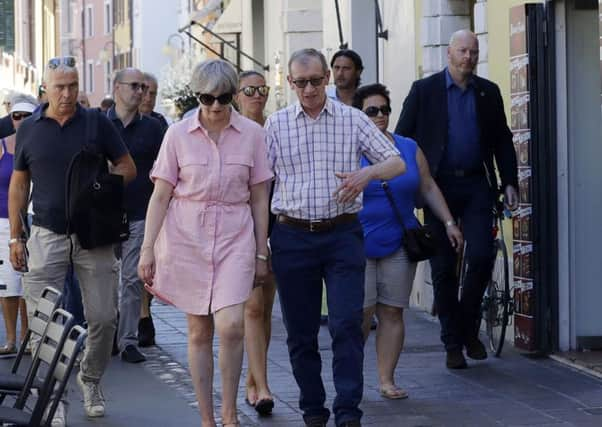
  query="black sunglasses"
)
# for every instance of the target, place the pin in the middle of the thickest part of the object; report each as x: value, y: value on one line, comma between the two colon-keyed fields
x: 373, y: 111
x: 208, y: 99
x: 136, y: 86
x: 250, y: 90
x: 315, y: 82
x: 20, y: 116
x: 68, y: 61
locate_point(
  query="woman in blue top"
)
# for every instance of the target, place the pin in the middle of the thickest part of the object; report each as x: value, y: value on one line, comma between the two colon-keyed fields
x: 389, y: 273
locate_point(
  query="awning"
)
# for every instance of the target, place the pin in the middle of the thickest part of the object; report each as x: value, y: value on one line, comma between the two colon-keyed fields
x: 231, y: 19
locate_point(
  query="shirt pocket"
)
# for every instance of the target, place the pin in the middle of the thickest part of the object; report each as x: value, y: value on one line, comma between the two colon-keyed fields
x: 195, y: 172
x: 237, y: 170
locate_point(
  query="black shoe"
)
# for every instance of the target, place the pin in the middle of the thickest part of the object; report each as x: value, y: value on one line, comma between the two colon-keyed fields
x: 476, y: 350
x: 264, y: 407
x: 352, y: 423
x: 315, y: 421
x: 455, y: 360
x: 132, y: 355
x: 146, y: 332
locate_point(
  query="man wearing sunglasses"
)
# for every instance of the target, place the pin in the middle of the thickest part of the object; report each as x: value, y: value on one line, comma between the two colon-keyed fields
x: 314, y: 147
x: 458, y: 120
x: 142, y: 136
x: 46, y: 144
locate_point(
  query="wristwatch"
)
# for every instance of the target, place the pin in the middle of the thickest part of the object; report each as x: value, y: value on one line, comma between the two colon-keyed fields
x: 262, y: 257
x: 450, y: 223
x: 14, y: 240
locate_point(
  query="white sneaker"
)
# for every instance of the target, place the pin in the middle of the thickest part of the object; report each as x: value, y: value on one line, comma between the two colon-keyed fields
x: 60, y: 416
x: 94, y: 402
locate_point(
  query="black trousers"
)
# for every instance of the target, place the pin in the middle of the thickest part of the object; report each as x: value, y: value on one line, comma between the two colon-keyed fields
x: 470, y: 200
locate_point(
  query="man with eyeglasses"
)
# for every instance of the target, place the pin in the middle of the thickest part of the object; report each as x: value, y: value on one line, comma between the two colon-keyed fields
x: 314, y: 147
x: 142, y: 136
x: 458, y: 120
x: 46, y: 144
x: 347, y: 67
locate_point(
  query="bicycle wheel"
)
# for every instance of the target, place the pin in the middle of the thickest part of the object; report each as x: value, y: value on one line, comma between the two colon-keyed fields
x: 496, y: 299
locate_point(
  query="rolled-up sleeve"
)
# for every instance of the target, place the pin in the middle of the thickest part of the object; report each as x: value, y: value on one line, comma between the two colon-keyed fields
x: 373, y: 143
x: 261, y: 170
x: 166, y: 166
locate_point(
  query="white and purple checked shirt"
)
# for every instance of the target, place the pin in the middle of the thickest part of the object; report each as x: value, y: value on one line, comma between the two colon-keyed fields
x: 305, y: 154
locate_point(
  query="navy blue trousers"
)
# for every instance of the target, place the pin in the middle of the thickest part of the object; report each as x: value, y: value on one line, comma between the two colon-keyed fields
x: 301, y: 261
x: 471, y: 201
x: 72, y: 297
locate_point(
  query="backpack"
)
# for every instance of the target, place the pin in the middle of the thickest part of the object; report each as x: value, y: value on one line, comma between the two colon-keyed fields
x: 94, y: 197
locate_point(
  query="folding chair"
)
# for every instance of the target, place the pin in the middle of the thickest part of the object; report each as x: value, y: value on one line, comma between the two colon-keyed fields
x: 50, y: 300
x: 57, y: 350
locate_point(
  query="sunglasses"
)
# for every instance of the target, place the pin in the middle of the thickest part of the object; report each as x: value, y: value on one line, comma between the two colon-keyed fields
x: 68, y: 61
x: 208, y: 99
x: 315, y: 82
x: 20, y: 116
x: 373, y: 111
x: 250, y: 90
x: 136, y: 86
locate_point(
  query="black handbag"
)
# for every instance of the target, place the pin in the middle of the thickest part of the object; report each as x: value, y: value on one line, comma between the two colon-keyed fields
x: 419, y: 243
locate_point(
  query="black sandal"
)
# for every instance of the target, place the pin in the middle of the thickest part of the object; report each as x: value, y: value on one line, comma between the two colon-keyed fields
x: 264, y: 406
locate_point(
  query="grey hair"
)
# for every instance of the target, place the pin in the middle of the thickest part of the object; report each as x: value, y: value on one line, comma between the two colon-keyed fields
x: 62, y: 68
x: 120, y: 74
x: 151, y: 77
x: 22, y: 97
x: 304, y: 55
x: 214, y: 76
x: 462, y: 33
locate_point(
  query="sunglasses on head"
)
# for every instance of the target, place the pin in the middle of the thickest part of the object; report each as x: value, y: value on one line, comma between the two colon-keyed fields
x: 315, y: 82
x: 136, y: 86
x: 373, y: 111
x: 250, y: 90
x: 68, y: 61
x: 208, y: 99
x: 20, y: 116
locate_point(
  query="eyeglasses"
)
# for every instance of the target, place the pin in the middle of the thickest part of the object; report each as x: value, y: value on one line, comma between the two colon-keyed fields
x: 373, y: 111
x: 315, y: 82
x: 135, y: 86
x: 68, y: 61
x: 250, y: 90
x: 208, y: 99
x: 20, y: 116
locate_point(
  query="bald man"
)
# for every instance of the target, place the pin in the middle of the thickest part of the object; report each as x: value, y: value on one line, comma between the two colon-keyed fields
x: 458, y: 120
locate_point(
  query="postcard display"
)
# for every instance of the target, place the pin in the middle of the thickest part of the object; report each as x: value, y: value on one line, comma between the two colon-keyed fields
x: 522, y: 250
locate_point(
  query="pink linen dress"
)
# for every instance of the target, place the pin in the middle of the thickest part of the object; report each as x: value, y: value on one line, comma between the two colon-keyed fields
x: 205, y: 250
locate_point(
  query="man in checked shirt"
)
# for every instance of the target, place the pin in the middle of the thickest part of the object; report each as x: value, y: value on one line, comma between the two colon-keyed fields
x: 314, y: 147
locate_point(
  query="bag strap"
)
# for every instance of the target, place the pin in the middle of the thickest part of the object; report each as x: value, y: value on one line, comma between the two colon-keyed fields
x: 389, y: 194
x: 91, y: 125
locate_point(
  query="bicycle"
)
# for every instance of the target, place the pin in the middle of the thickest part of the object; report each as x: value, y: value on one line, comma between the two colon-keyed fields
x: 498, y: 304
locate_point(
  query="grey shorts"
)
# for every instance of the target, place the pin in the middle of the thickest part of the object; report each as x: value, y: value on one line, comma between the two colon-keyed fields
x: 389, y: 280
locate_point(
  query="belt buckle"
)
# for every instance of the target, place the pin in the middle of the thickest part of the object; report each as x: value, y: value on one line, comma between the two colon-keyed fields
x: 313, y: 224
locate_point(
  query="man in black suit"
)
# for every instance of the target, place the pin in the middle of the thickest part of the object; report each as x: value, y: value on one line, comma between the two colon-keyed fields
x: 458, y: 120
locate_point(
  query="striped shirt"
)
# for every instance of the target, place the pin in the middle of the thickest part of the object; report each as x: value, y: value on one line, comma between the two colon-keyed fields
x: 305, y: 154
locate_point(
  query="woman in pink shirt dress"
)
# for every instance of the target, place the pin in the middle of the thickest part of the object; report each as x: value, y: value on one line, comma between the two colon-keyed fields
x: 206, y: 229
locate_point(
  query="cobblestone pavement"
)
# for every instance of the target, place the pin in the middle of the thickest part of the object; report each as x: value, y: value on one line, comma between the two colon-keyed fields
x: 511, y: 391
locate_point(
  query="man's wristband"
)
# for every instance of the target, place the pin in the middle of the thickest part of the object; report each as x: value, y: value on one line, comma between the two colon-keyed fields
x: 450, y: 223
x: 14, y: 240
x: 263, y: 258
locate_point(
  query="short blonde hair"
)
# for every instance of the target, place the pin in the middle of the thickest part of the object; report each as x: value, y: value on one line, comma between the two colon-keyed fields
x: 214, y: 76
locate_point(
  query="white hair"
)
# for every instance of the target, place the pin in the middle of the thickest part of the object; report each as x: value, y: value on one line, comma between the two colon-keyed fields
x: 214, y: 76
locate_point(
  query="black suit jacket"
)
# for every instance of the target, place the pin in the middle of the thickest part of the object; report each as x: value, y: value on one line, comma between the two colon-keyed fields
x: 424, y: 118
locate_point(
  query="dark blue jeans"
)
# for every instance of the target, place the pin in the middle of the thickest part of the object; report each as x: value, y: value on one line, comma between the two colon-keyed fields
x: 301, y: 260
x: 72, y: 297
x: 470, y: 200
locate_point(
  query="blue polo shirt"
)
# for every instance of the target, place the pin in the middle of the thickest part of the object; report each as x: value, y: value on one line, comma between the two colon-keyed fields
x: 383, y: 234
x: 45, y: 149
x: 463, y: 150
x: 6, y: 126
x: 142, y: 137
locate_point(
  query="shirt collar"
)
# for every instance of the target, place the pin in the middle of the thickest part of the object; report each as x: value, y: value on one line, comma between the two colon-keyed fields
x: 112, y: 115
x: 449, y: 82
x: 328, y: 108
x: 40, y: 112
x: 236, y: 121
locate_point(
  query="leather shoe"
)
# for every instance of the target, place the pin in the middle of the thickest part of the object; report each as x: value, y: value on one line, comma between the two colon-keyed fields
x: 351, y: 423
x: 455, y: 360
x: 131, y: 354
x: 146, y: 332
x: 476, y: 350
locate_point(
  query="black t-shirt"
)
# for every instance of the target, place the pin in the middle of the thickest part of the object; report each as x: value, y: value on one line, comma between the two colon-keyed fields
x: 159, y: 117
x: 45, y: 149
x: 6, y: 126
x: 142, y: 137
